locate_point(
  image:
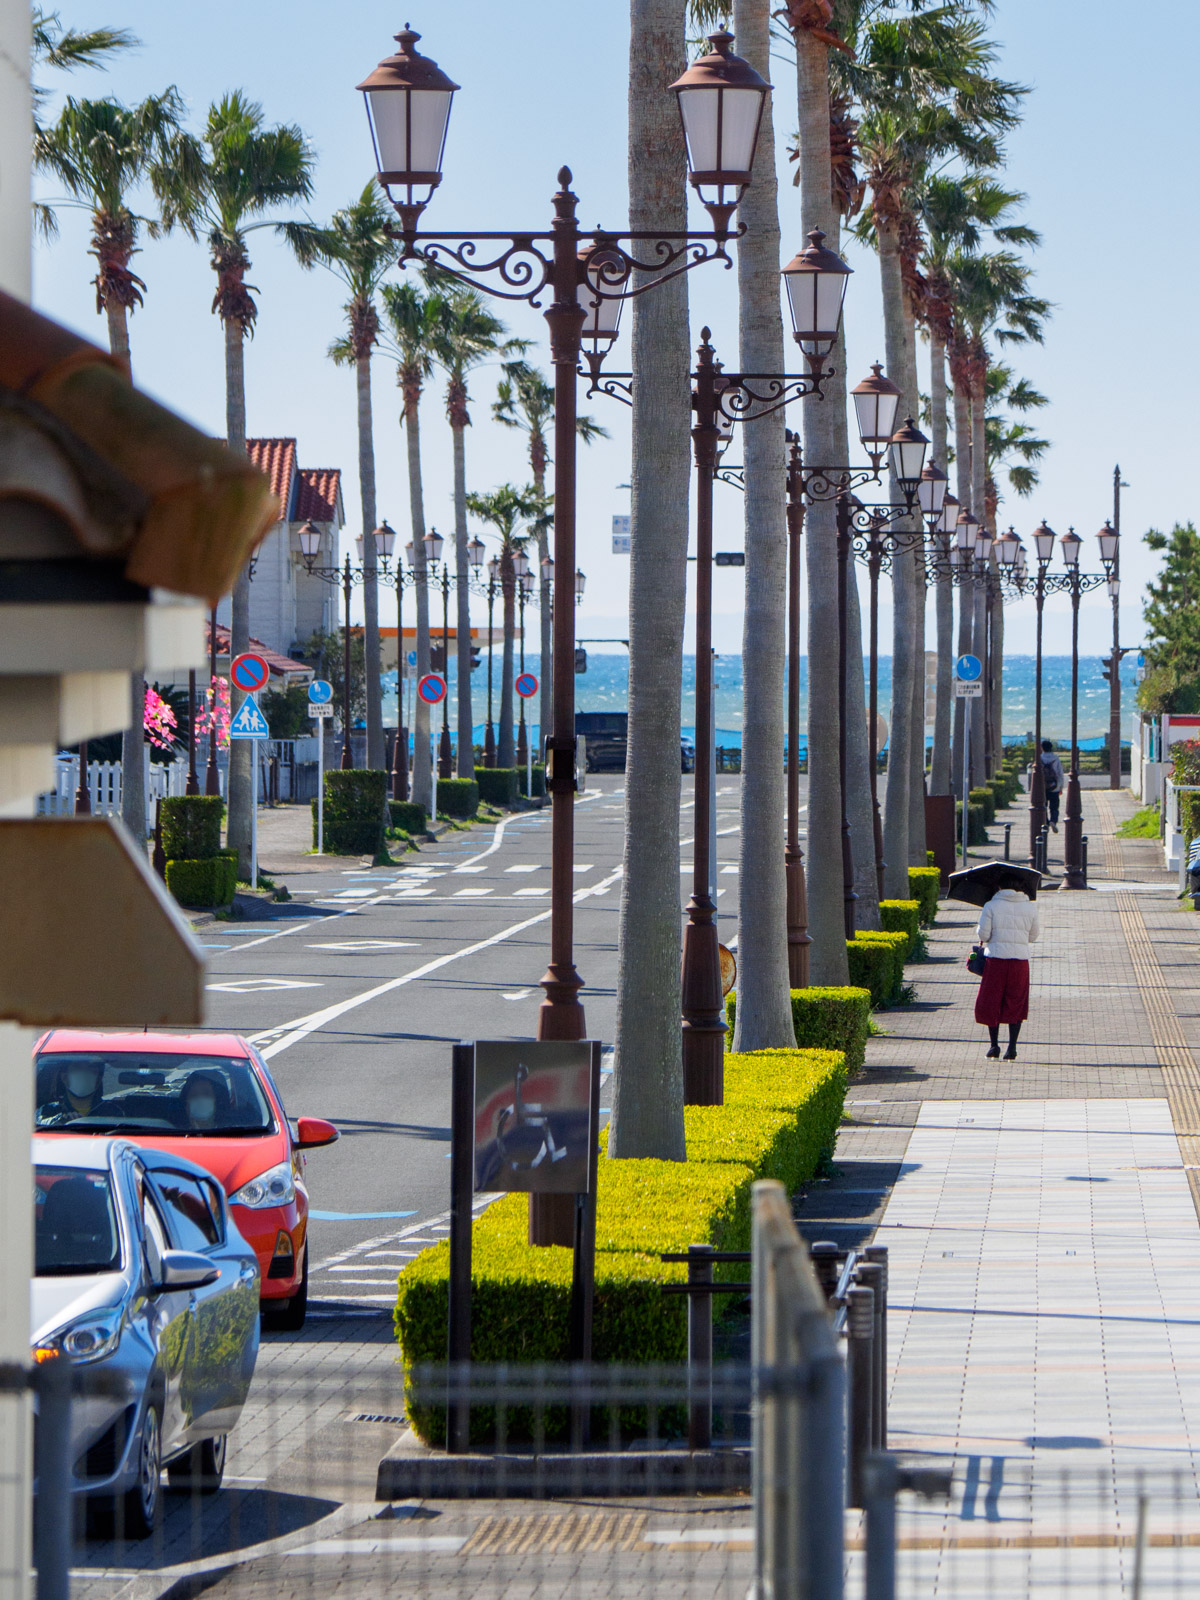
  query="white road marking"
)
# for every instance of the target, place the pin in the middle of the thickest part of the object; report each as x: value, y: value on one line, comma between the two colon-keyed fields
x: 410, y: 894
x: 471, y: 894
x: 274, y: 1040
x: 407, y: 1544
x: 530, y: 892
x: 518, y: 994
x: 527, y: 866
x: 733, y: 868
x: 262, y: 985
x: 468, y: 869
x: 366, y: 944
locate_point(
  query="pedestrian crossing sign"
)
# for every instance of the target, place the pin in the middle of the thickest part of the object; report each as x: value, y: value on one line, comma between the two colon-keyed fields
x: 249, y: 723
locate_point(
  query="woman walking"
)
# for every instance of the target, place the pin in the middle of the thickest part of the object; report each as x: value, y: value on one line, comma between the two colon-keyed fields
x: 1008, y: 925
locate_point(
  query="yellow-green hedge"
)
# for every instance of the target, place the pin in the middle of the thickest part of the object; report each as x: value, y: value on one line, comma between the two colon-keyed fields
x: 780, y: 1120
x: 825, y: 1019
x: 924, y: 884
x: 902, y: 916
x: 877, y: 963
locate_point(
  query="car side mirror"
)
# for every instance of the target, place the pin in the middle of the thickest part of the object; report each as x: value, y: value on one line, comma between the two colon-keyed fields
x: 185, y: 1269
x: 313, y: 1132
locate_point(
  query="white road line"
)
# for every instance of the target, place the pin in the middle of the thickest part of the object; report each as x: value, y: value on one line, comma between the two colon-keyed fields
x: 406, y: 1544
x: 471, y: 894
x: 529, y: 893
x: 272, y: 1041
x: 527, y: 866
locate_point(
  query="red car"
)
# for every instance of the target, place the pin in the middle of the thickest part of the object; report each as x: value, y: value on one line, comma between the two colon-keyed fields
x: 210, y: 1097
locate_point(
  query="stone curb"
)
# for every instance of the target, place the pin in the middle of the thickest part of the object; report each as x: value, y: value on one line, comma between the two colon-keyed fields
x: 411, y: 1471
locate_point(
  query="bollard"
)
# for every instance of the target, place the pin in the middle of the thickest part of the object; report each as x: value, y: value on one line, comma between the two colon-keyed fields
x: 1083, y: 842
x: 860, y: 1334
x: 1008, y: 827
x: 700, y: 1274
x: 869, y: 1275
x: 158, y: 858
x: 877, y: 1254
x: 827, y: 1264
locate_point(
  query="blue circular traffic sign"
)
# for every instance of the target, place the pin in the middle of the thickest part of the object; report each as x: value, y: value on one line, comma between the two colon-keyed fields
x: 968, y: 668
x: 411, y: 658
x: 320, y: 692
x: 432, y: 688
x: 526, y: 685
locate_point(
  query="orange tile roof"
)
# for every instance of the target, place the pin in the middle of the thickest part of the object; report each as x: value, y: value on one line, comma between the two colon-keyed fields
x: 318, y: 495
x: 277, y: 458
x: 281, y: 666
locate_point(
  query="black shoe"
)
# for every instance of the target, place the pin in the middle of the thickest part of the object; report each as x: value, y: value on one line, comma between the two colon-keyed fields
x: 1010, y: 1054
x: 993, y: 1054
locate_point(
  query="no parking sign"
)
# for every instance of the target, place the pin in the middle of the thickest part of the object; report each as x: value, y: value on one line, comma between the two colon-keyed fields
x: 526, y: 685
x: 432, y: 688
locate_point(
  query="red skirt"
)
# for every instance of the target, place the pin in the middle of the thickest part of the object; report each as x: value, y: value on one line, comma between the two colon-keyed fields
x: 1003, y: 993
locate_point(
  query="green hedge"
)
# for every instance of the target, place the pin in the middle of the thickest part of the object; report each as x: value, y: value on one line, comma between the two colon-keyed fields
x: 539, y: 781
x: 976, y: 826
x: 347, y: 837
x: 877, y: 964
x: 923, y: 885
x: 358, y: 795
x: 497, y: 786
x: 191, y: 826
x: 457, y: 797
x: 408, y: 815
x: 824, y: 1020
x: 984, y: 798
x: 209, y: 882
x: 780, y: 1118
x: 902, y: 916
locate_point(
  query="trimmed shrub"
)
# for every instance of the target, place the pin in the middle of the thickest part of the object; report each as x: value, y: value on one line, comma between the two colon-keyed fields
x: 408, y: 815
x: 877, y: 964
x: 209, y: 882
x: 985, y: 798
x: 781, y: 1116
x: 976, y: 826
x: 191, y: 826
x: 924, y: 884
x: 539, y: 781
x: 824, y: 1019
x: 457, y: 797
x: 902, y: 916
x: 497, y: 786
x: 355, y: 814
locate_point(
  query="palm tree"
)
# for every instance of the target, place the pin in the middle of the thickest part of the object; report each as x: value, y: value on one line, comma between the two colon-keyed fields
x: 648, y: 1062
x: 469, y: 334
x: 414, y: 323
x: 100, y: 151
x: 503, y: 509
x: 237, y: 170
x: 356, y: 248
x: 525, y: 400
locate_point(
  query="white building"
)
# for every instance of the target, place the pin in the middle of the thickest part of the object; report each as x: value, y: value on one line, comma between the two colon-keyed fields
x: 287, y: 605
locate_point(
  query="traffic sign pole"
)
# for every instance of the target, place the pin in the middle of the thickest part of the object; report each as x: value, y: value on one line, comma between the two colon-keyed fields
x: 254, y: 813
x: 320, y: 787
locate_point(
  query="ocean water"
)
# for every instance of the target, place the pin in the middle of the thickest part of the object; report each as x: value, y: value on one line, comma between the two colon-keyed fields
x: 605, y: 687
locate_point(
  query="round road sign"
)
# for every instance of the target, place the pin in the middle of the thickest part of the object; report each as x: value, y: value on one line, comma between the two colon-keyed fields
x: 432, y: 688
x: 968, y: 668
x: 320, y: 692
x: 526, y: 685
x: 411, y: 658
x: 249, y: 672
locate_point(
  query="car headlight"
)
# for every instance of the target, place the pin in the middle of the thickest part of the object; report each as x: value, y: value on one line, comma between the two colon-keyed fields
x: 275, y: 1187
x: 89, y: 1339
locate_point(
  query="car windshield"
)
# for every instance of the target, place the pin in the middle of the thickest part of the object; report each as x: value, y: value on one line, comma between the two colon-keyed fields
x: 76, y: 1230
x: 157, y: 1093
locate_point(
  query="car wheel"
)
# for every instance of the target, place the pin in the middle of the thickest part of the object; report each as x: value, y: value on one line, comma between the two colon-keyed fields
x: 142, y: 1504
x: 287, y: 1316
x: 201, y: 1468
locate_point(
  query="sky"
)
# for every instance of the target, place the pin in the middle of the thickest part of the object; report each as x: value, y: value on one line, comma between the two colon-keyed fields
x: 1107, y: 117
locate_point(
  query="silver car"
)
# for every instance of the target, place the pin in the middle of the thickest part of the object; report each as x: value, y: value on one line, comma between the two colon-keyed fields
x: 142, y: 1275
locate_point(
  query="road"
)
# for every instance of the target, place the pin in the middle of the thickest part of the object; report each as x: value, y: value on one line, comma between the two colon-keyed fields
x: 356, y: 993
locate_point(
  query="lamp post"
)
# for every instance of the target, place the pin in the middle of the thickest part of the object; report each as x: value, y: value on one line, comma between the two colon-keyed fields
x: 1110, y: 537
x: 524, y: 589
x: 1044, y: 538
x: 193, y: 781
x: 445, y: 753
x: 798, y: 936
x: 347, y: 576
x: 1074, y: 870
x: 212, y: 778
x: 489, y: 736
x: 408, y: 101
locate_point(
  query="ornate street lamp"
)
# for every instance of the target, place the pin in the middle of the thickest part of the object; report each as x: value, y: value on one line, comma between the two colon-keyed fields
x: 408, y: 99
x: 816, y: 281
x: 721, y: 100
x: 489, y: 733
x: 876, y: 401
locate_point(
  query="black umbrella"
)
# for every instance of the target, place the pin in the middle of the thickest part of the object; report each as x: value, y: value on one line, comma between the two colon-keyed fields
x: 978, y: 884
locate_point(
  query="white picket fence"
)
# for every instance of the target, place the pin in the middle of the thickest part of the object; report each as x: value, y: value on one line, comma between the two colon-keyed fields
x: 104, y: 787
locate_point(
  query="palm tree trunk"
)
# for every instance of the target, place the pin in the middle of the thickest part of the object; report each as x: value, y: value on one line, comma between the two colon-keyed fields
x: 916, y: 770
x: 823, y: 860
x: 978, y: 505
x: 647, y: 1117
x: 764, y: 1010
x: 133, y: 738
x: 239, y: 797
x: 366, y: 482
x: 422, y: 767
x: 506, y: 754
x: 966, y: 595
x: 904, y: 598
x: 465, y: 766
x: 939, y: 778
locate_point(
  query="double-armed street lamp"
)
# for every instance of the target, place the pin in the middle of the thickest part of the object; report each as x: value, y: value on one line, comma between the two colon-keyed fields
x: 1078, y: 583
x: 580, y: 280
x: 347, y: 576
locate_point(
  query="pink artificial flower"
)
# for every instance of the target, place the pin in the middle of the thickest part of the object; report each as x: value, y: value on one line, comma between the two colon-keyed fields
x: 158, y: 721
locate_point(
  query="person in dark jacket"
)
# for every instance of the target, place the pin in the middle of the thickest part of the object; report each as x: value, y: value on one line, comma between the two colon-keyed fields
x: 1052, y: 775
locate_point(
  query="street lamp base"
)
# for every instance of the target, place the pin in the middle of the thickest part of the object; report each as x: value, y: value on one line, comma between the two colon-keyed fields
x: 445, y: 755
x: 798, y: 935
x: 560, y: 1015
x: 552, y: 1219
x: 489, y: 745
x: 703, y: 1065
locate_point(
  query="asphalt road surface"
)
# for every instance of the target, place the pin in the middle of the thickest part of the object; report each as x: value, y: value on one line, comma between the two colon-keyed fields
x: 357, y: 993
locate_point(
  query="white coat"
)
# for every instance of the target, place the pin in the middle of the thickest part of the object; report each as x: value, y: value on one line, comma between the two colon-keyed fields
x: 1008, y: 925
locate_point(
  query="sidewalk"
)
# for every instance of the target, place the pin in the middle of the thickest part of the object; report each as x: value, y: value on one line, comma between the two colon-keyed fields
x: 1041, y: 1215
